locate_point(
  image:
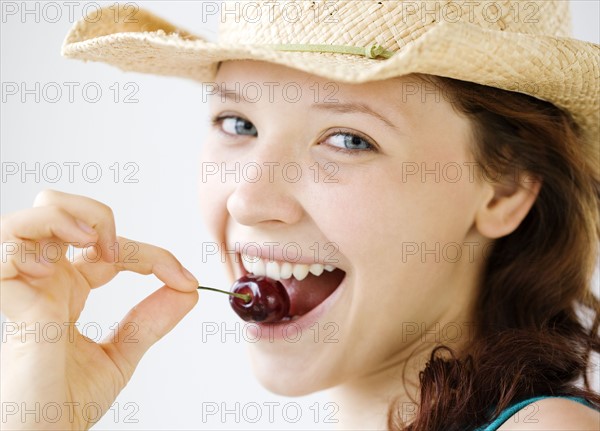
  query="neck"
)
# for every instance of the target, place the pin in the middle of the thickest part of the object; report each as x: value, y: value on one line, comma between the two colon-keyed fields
x: 364, y: 403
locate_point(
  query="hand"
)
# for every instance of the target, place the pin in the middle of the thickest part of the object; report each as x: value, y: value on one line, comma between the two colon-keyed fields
x: 69, y: 371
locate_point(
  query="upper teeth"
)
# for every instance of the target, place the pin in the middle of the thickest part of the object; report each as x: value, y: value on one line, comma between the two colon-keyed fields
x: 282, y: 270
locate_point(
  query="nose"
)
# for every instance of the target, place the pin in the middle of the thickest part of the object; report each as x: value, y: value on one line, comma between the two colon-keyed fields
x: 264, y: 194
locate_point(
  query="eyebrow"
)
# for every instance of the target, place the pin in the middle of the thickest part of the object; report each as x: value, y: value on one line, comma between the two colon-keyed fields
x: 227, y: 94
x: 351, y: 108
x: 343, y: 108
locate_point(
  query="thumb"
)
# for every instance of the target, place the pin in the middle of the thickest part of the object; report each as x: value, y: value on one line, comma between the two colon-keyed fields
x: 145, y: 324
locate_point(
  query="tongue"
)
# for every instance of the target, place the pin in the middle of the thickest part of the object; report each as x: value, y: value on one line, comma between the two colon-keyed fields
x: 310, y: 292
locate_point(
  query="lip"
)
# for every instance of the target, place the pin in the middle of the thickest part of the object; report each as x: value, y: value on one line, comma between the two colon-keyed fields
x: 289, y: 330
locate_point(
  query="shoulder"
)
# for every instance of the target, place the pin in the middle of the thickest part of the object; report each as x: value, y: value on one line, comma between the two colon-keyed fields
x: 553, y: 414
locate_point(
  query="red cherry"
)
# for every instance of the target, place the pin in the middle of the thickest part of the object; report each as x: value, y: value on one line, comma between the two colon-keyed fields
x: 269, y: 301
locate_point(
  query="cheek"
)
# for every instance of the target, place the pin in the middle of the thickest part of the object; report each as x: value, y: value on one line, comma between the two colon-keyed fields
x: 382, y: 225
x: 213, y: 192
x: 379, y: 217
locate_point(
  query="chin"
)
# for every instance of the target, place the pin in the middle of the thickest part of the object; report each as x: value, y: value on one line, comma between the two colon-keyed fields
x: 287, y: 377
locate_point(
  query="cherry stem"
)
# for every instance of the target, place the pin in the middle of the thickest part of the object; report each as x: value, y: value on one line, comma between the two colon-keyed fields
x: 247, y: 298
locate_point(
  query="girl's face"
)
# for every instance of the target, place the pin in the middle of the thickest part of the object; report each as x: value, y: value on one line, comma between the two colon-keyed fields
x: 376, y: 179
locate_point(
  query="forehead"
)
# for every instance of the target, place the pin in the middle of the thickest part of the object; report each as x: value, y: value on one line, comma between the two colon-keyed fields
x: 248, y: 70
x: 411, y: 96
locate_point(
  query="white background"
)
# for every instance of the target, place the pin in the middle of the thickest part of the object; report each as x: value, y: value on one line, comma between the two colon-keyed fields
x: 161, y: 134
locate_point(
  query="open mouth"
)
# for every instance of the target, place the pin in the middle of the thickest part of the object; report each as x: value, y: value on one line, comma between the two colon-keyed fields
x: 307, y: 285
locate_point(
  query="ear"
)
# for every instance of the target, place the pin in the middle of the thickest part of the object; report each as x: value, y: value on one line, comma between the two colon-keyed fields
x: 506, y: 205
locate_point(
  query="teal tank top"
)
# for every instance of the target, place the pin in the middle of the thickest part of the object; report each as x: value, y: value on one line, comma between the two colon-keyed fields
x: 509, y: 412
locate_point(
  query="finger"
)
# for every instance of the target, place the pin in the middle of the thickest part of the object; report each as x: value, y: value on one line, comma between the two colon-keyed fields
x: 28, y: 235
x: 26, y: 258
x: 96, y: 214
x: 44, y: 223
x: 145, y: 324
x: 35, y: 279
x: 141, y: 258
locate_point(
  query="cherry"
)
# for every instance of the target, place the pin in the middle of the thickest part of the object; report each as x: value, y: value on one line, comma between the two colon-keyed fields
x: 269, y: 301
x: 257, y: 298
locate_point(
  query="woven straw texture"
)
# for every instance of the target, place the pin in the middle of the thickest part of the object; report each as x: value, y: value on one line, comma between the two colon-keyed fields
x: 522, y: 46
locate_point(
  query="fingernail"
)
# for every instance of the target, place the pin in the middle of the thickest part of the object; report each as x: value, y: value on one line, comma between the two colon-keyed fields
x: 85, y: 227
x: 189, y: 275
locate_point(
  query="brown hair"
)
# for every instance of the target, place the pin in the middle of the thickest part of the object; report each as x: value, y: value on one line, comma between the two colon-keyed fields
x: 537, y: 317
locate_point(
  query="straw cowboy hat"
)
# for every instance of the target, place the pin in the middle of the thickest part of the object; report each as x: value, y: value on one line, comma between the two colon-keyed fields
x: 522, y: 46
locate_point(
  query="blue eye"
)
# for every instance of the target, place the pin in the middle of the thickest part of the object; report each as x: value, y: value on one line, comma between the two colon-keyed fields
x: 349, y: 142
x: 233, y: 125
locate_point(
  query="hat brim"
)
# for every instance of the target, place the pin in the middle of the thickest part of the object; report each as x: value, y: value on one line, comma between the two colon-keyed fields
x: 563, y: 71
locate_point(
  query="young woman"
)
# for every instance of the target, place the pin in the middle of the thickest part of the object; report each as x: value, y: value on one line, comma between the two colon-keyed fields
x: 448, y: 173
